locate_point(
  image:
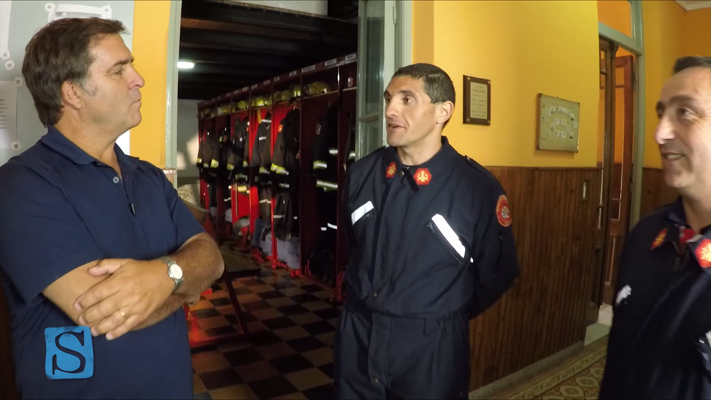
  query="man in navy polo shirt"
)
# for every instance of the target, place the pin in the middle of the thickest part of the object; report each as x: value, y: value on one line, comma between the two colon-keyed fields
x: 92, y: 237
x: 659, y: 342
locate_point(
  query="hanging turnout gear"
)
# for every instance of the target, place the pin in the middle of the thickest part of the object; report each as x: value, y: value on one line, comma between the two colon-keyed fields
x: 261, y: 161
x: 325, y: 170
x: 325, y: 166
x: 261, y: 149
x: 239, y: 154
x: 285, y: 170
x: 209, y: 156
x: 350, y: 155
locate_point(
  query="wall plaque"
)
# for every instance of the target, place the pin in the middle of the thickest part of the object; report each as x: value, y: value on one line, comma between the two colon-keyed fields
x: 558, y: 124
x: 477, y: 101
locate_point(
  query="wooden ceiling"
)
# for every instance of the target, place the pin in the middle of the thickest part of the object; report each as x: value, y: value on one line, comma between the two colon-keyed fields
x: 235, y: 44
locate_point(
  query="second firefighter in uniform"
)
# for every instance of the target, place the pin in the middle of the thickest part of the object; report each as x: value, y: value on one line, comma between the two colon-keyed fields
x: 431, y: 247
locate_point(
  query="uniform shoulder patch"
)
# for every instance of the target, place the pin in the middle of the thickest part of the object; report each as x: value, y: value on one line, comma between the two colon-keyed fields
x: 703, y: 253
x: 503, y: 213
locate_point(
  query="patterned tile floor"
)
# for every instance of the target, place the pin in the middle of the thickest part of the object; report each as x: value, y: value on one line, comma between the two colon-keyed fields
x: 577, y: 378
x: 291, y: 353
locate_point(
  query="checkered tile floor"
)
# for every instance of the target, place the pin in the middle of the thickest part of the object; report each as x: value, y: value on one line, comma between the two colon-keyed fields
x: 289, y: 357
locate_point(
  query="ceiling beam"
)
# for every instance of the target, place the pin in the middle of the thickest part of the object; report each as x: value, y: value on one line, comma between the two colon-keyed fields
x: 284, y: 34
x: 258, y: 44
x: 207, y: 91
x: 249, y: 29
x: 239, y: 14
x: 231, y: 80
x: 236, y: 59
x: 242, y: 72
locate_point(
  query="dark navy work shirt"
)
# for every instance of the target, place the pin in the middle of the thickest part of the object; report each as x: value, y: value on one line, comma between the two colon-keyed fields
x: 659, y: 342
x: 59, y: 209
x: 428, y: 240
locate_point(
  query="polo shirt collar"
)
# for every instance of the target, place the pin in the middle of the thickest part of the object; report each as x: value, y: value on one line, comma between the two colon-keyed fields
x: 62, y: 145
x: 677, y: 231
x: 435, y: 168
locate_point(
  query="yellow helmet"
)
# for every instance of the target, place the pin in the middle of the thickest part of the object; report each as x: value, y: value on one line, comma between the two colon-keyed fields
x: 316, y: 88
x: 296, y: 91
x: 284, y: 96
x: 242, y: 105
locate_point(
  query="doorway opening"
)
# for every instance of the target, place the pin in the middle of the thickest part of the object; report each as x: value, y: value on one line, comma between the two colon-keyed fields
x: 615, y: 157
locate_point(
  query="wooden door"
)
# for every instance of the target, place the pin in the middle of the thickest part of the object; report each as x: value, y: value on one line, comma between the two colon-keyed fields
x: 621, y: 137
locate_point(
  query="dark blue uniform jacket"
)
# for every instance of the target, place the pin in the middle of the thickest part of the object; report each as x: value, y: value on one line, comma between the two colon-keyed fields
x: 658, y: 345
x: 427, y: 241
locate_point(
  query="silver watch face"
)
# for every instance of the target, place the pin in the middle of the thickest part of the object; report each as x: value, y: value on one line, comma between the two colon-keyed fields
x: 175, y: 272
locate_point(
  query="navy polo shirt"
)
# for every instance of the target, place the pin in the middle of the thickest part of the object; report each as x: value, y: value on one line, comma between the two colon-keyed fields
x: 61, y: 208
x: 659, y: 342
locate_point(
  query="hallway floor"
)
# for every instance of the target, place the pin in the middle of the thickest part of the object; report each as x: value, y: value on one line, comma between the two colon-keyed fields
x: 291, y: 356
x: 577, y: 378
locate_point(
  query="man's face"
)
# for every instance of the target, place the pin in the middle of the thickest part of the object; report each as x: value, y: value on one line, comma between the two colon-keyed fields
x: 684, y: 131
x: 409, y: 112
x: 112, y: 97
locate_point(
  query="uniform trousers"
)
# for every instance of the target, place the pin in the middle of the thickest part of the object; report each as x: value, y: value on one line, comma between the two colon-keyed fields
x: 379, y: 356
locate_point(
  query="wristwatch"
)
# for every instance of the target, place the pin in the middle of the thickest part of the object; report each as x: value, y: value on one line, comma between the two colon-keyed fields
x: 174, y: 272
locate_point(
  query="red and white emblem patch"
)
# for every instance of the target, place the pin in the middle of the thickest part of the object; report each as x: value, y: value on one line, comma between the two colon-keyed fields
x: 659, y: 239
x: 392, y: 168
x: 503, y: 214
x: 423, y: 176
x: 703, y: 253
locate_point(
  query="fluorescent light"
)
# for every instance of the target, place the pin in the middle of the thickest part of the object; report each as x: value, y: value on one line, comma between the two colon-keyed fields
x: 185, y: 65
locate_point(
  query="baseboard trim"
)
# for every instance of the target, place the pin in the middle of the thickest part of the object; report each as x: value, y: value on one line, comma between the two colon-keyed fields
x: 517, y: 378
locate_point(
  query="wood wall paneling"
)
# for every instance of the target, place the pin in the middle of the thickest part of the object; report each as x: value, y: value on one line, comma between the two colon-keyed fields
x: 544, y: 312
x: 655, y: 192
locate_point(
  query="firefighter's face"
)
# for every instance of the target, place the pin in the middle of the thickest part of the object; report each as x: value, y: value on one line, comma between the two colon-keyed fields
x: 410, y: 115
x: 684, y: 131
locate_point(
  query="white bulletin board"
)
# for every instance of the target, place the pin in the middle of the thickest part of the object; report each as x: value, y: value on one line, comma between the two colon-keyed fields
x: 559, y: 122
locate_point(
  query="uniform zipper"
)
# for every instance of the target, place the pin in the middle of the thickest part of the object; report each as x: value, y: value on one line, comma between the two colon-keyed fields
x: 443, y: 240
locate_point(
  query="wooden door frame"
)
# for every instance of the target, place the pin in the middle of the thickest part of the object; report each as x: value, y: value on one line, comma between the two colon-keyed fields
x: 602, y: 233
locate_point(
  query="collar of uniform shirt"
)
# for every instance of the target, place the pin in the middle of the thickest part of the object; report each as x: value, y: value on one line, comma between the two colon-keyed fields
x: 678, y: 230
x: 57, y: 141
x: 438, y: 166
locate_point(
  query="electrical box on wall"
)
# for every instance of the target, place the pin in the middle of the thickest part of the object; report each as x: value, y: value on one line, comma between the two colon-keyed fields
x: 59, y: 11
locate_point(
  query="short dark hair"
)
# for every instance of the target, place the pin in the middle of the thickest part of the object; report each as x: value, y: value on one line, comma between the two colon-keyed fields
x: 60, y: 52
x: 691, y: 62
x: 438, y: 85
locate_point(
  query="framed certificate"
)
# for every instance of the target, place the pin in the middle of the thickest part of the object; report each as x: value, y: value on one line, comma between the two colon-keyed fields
x: 558, y: 124
x: 477, y: 101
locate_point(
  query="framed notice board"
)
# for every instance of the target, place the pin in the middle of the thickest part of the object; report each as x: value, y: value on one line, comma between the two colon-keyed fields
x: 558, y: 124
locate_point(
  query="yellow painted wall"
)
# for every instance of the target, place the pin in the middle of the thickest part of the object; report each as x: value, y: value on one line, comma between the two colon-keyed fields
x: 698, y: 32
x: 150, y: 50
x: 423, y: 31
x: 524, y: 48
x: 664, y: 41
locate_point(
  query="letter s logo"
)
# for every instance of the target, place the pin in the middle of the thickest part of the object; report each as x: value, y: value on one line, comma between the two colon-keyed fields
x: 70, y: 353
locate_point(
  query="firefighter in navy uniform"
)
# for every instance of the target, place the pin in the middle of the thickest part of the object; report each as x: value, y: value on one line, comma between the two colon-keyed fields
x: 431, y: 247
x: 659, y: 342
